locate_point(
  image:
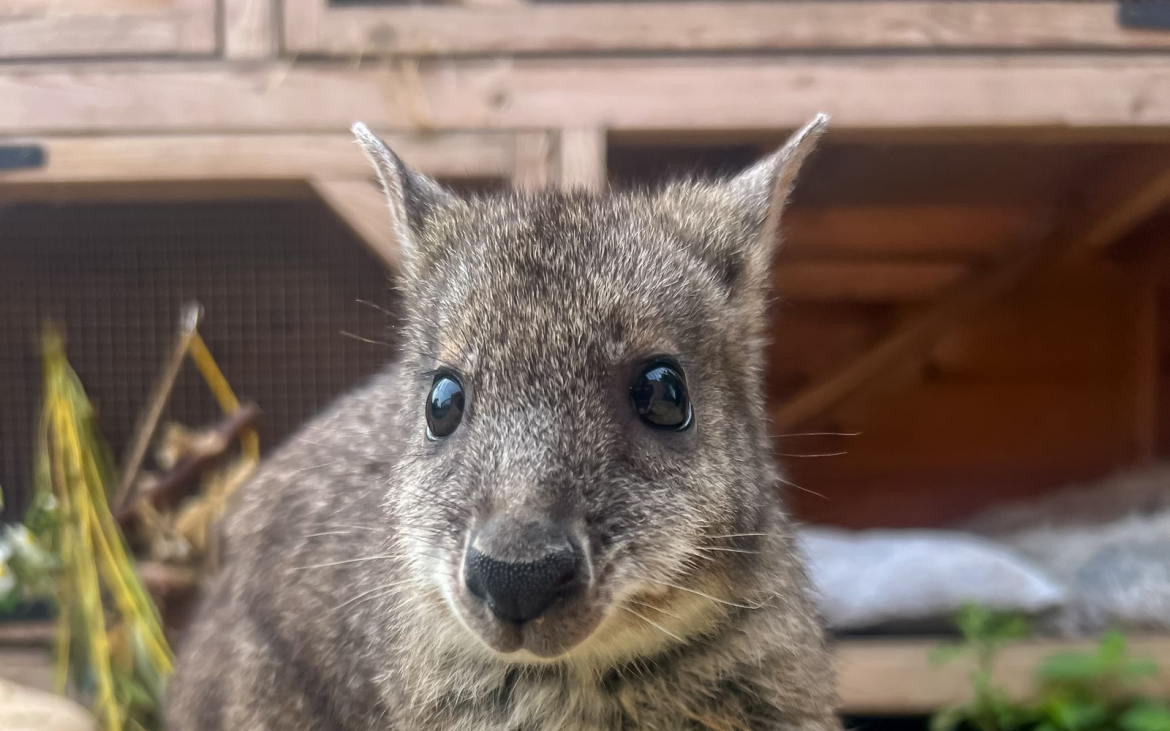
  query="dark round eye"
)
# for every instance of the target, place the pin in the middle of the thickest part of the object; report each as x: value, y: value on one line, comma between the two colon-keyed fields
x: 444, y: 405
x: 659, y: 395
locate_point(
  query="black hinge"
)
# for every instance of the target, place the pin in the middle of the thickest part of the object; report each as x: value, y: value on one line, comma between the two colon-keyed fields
x: 1144, y: 14
x: 21, y: 157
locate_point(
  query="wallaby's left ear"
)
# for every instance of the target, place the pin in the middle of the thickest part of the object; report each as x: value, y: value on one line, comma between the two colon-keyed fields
x: 765, y: 187
x: 409, y: 195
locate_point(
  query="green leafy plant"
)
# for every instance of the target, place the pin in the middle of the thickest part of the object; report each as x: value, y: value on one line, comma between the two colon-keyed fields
x: 1094, y: 690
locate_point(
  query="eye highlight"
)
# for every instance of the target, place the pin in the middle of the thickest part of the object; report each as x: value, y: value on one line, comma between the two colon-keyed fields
x: 659, y: 395
x: 445, y: 405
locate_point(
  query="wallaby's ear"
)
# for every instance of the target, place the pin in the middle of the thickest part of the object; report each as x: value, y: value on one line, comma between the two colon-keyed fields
x: 764, y: 188
x: 409, y: 195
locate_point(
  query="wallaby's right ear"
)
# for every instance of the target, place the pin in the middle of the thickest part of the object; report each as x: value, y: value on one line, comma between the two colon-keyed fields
x: 409, y: 195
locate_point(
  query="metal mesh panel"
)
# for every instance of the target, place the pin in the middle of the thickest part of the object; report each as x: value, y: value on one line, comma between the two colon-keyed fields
x: 281, y: 284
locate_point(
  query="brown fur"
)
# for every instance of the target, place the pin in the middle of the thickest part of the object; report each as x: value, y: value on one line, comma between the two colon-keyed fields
x: 341, y: 605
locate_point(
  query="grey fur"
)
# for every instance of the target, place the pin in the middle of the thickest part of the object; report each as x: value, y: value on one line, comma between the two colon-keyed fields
x: 341, y: 607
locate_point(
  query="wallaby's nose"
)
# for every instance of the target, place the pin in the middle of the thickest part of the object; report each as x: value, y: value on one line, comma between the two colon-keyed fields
x: 521, y: 568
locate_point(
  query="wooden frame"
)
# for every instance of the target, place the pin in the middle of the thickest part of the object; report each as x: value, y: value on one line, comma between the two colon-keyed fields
x: 1112, y: 97
x: 893, y: 676
x: 47, y: 29
x: 480, y: 27
x: 186, y: 158
x: 1111, y: 206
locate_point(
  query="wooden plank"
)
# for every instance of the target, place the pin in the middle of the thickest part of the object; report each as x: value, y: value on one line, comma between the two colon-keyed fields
x: 1111, y: 207
x: 180, y: 27
x: 715, y: 26
x: 879, y: 281
x: 898, y: 676
x: 362, y: 207
x: 69, y: 7
x: 533, y: 168
x: 913, y: 230
x: 32, y: 668
x: 158, y: 191
x: 249, y: 29
x: 1090, y: 93
x: 256, y: 157
x: 1143, y: 334
x: 582, y: 158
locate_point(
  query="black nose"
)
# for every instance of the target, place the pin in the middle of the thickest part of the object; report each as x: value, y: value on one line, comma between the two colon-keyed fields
x: 521, y: 568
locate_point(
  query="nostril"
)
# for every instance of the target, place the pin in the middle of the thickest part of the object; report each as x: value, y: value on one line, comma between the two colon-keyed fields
x: 534, y: 577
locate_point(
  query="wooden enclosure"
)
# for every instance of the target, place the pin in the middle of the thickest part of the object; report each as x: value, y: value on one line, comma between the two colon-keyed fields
x: 975, y: 283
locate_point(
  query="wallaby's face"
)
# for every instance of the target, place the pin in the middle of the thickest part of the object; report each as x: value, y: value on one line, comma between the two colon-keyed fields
x: 587, y: 441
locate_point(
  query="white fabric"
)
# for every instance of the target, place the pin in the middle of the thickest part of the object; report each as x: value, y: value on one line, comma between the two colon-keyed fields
x: 879, y: 577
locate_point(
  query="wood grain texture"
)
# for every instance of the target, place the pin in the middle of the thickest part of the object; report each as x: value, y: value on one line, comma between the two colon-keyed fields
x: 872, y: 281
x: 899, y: 676
x: 1098, y: 94
x: 132, y: 28
x: 256, y: 157
x: 249, y: 29
x: 490, y: 26
x: 1112, y: 205
x: 961, y: 231
x: 362, y: 207
x: 582, y: 158
x: 534, y: 165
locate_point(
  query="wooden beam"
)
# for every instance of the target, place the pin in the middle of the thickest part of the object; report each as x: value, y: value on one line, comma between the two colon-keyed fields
x: 249, y: 29
x: 900, y: 677
x: 46, y: 30
x: 874, y: 281
x: 715, y: 26
x: 1099, y: 94
x: 963, y: 230
x: 255, y: 157
x: 363, y: 208
x: 583, y: 158
x: 533, y: 168
x: 1113, y: 206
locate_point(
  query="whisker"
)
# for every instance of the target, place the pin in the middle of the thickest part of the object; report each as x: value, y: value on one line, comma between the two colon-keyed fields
x: 383, y: 310
x: 742, y: 535
x: 382, y: 590
x: 348, y: 561
x: 657, y: 609
x: 371, y: 341
x: 821, y: 454
x: 654, y: 624
x: 820, y: 434
x: 803, y: 489
x: 727, y: 550
x: 696, y: 592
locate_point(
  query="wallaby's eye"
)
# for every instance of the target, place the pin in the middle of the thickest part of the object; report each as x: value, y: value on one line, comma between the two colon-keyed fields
x: 444, y: 405
x: 659, y: 395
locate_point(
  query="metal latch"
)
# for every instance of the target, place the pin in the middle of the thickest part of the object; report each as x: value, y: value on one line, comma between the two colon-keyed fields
x: 1144, y: 14
x: 21, y: 157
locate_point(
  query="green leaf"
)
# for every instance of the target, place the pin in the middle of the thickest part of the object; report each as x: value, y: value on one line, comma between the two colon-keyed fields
x: 1137, y: 668
x: 1066, y: 667
x: 946, y: 653
x: 1081, y: 715
x: 1112, y: 648
x: 949, y: 719
x: 1146, y: 716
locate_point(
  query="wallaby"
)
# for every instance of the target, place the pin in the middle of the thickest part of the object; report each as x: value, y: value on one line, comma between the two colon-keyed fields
x: 558, y: 510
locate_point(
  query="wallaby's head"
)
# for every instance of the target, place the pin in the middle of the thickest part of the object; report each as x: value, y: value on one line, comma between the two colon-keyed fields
x: 587, y: 472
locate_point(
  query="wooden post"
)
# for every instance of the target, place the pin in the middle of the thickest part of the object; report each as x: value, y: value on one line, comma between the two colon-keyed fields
x: 363, y: 208
x: 249, y: 29
x: 533, y: 167
x: 582, y: 158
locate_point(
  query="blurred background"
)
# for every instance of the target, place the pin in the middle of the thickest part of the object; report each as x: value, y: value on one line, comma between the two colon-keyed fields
x: 970, y: 334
